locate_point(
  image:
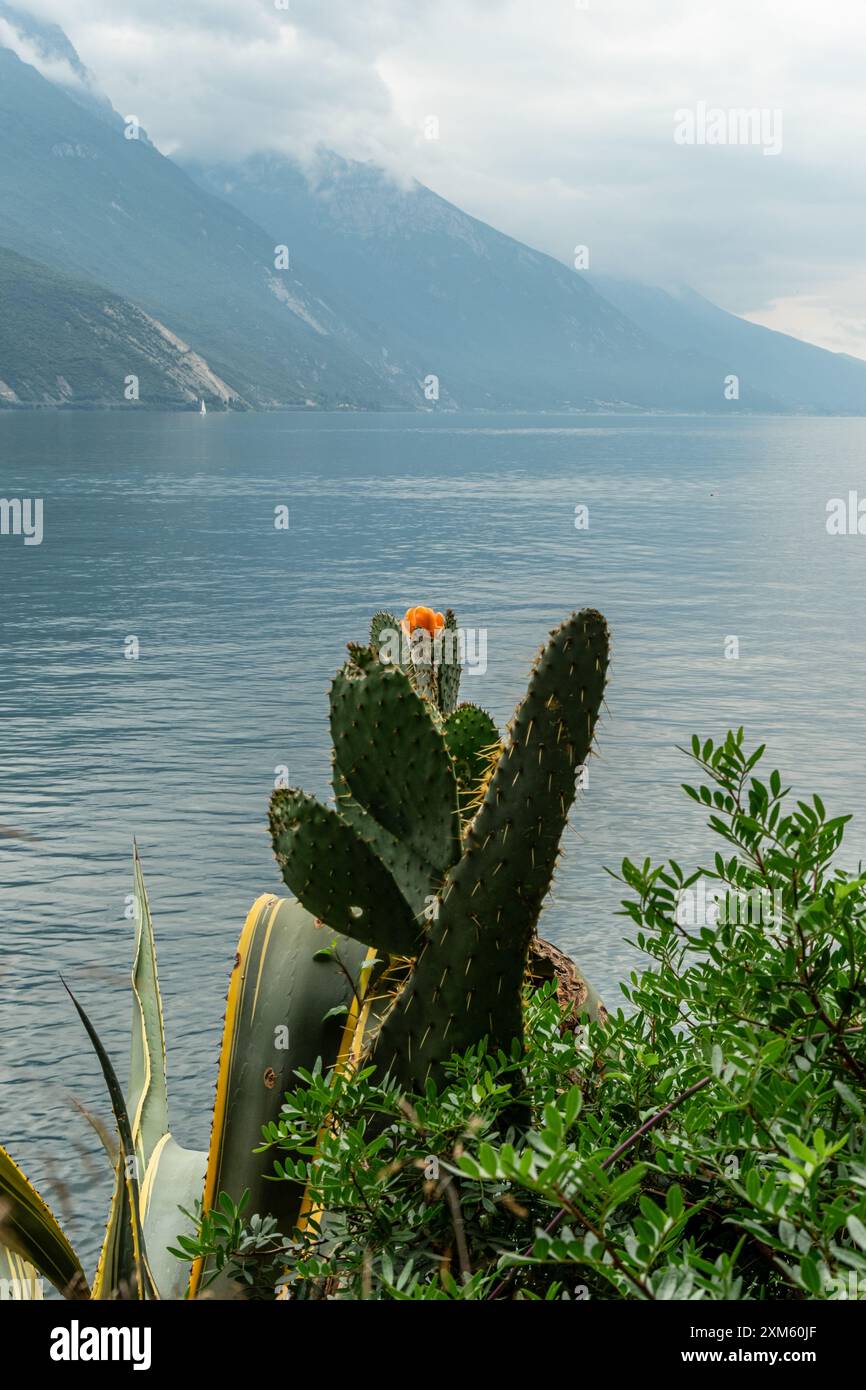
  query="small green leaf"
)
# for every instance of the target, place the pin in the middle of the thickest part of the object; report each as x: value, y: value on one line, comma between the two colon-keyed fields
x: 674, y: 1202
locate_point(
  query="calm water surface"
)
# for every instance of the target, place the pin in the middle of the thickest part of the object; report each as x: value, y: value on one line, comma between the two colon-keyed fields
x: 162, y: 528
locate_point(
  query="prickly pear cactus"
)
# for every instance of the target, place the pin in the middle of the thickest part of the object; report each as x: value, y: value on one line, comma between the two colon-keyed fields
x: 443, y: 843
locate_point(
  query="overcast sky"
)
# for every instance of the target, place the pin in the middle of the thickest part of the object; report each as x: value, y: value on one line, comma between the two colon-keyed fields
x: 556, y: 122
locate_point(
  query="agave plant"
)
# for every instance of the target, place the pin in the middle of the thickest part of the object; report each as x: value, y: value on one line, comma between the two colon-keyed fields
x: 289, y: 1003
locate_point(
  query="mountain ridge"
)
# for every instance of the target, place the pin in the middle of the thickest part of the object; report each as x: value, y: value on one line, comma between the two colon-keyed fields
x: 523, y: 330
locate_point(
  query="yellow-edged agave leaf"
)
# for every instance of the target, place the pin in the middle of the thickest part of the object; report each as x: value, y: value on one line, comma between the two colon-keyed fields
x: 174, y: 1179
x: 118, y: 1271
x: 29, y: 1230
x: 123, y: 1270
x: 20, y: 1282
x: 147, y: 1097
x: 287, y: 1005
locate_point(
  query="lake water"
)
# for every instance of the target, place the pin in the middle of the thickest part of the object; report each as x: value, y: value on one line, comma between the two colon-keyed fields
x: 162, y: 528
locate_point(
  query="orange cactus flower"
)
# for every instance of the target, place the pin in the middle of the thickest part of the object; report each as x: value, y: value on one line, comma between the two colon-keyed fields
x: 423, y: 617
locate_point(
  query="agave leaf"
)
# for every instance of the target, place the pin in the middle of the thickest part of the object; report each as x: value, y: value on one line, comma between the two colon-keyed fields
x: 20, y: 1281
x: 279, y: 1017
x: 123, y: 1269
x: 147, y: 1098
x: 31, y: 1235
x: 174, y: 1179
x: 116, y: 1272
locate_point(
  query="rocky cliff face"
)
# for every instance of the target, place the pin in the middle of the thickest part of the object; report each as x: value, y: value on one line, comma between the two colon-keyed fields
x: 66, y: 342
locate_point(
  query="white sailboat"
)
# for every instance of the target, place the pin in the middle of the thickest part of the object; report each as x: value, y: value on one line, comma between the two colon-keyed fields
x: 203, y: 410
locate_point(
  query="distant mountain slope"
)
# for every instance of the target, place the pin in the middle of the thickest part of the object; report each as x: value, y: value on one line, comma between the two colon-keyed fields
x: 96, y: 341
x: 78, y: 196
x: 499, y: 323
x: 800, y: 376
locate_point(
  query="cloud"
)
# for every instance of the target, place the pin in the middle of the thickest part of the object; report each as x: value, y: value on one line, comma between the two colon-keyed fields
x: 819, y: 318
x: 555, y: 122
x: 56, y: 68
x: 220, y: 77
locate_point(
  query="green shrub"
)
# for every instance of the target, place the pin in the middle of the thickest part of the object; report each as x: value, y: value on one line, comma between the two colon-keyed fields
x: 706, y: 1143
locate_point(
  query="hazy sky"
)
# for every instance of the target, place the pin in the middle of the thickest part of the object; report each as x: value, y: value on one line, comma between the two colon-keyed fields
x: 556, y: 122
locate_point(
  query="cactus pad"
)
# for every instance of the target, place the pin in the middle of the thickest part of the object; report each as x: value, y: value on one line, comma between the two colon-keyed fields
x: 473, y: 741
x: 394, y: 760
x: 336, y: 875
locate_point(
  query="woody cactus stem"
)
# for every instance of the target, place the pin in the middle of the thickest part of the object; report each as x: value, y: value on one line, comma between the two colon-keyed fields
x: 468, y: 977
x: 399, y: 868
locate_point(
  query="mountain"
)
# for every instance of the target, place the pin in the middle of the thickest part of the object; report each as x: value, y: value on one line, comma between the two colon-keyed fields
x: 388, y: 285
x: 97, y: 339
x: 799, y: 376
x: 78, y: 196
x: 500, y: 324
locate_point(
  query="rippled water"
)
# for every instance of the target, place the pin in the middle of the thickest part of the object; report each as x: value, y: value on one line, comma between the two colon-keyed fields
x: 162, y: 528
